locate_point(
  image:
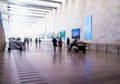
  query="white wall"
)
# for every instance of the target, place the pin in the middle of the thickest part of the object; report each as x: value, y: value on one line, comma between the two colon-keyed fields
x: 105, y: 19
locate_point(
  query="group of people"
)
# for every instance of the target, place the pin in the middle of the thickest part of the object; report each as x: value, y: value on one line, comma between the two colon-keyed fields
x: 29, y: 40
x: 56, y: 42
x: 37, y: 40
x: 59, y: 43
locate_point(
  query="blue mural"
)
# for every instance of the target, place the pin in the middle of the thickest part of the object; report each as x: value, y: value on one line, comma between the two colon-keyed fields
x: 62, y: 34
x: 76, y: 33
x: 88, y: 27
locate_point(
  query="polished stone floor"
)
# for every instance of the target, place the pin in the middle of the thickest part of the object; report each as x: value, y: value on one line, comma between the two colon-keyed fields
x: 41, y: 65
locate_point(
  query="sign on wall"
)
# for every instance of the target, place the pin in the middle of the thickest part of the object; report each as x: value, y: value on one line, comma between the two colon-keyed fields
x: 76, y: 33
x: 88, y: 27
x: 62, y: 34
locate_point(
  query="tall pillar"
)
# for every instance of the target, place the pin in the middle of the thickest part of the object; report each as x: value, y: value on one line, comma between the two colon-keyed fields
x: 2, y: 35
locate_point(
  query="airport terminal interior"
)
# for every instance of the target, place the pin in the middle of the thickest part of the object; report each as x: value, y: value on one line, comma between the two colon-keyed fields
x: 59, y: 42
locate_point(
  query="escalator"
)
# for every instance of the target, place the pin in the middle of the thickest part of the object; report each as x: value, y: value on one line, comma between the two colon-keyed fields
x: 15, y: 45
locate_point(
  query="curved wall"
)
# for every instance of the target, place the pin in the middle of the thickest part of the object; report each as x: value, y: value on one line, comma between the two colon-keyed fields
x: 105, y: 19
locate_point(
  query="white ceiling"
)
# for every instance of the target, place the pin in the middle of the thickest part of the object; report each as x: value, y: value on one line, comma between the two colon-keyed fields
x: 20, y: 14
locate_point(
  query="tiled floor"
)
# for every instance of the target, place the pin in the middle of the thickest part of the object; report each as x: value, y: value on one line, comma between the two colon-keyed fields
x: 41, y: 65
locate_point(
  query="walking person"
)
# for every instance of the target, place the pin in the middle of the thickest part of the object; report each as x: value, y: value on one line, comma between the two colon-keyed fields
x: 27, y: 41
x: 68, y: 42
x: 60, y: 43
x: 39, y: 41
x: 36, y: 40
x: 30, y: 41
x: 54, y: 43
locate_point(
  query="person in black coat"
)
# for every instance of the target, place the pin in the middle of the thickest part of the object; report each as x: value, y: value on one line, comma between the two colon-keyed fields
x: 54, y: 43
x: 60, y: 43
x: 68, y: 42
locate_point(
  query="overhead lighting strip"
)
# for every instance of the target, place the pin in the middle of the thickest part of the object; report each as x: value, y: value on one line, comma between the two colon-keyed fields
x: 52, y: 1
x: 26, y: 12
x: 36, y: 2
x: 12, y: 6
x: 45, y: 7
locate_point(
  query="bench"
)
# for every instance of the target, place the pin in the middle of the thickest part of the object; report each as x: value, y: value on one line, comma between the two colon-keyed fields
x: 79, y: 46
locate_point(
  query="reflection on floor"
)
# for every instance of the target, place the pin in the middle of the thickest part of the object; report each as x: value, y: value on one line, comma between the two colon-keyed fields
x: 41, y: 65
